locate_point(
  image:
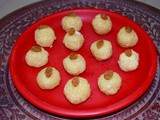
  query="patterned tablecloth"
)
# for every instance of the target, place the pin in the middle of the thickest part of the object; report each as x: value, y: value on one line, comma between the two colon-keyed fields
x: 14, y: 106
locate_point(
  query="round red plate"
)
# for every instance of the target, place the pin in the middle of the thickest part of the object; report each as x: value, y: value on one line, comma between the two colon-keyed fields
x: 134, y: 83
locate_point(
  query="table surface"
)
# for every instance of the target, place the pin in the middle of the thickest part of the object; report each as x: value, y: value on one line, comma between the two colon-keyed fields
x: 8, y: 6
x: 14, y: 106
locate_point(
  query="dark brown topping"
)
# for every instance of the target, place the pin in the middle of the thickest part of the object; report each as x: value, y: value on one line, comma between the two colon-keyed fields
x: 72, y: 14
x: 128, y: 52
x: 42, y: 27
x: 108, y: 75
x: 71, y: 31
x: 36, y: 48
x: 128, y: 29
x: 48, y: 72
x: 73, y: 56
x: 75, y: 81
x: 104, y: 16
x: 100, y: 44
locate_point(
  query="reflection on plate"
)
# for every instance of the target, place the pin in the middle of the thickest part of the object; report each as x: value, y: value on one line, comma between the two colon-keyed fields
x: 134, y: 83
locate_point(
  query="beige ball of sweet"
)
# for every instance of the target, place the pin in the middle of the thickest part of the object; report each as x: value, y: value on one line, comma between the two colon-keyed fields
x: 74, y: 64
x: 48, y: 78
x: 73, y: 40
x: 77, y: 90
x: 127, y: 37
x: 72, y: 20
x: 36, y: 56
x: 44, y: 36
x: 102, y: 24
x: 109, y: 83
x: 128, y: 60
x: 101, y: 50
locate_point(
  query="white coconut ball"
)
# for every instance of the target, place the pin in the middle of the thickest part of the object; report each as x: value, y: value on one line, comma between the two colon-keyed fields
x: 36, y: 56
x: 74, y: 64
x: 127, y: 37
x: 45, y: 36
x: 128, y: 60
x: 101, y: 50
x: 102, y: 24
x: 48, y: 78
x: 72, y: 20
x: 109, y: 83
x: 73, y: 40
x: 77, y: 90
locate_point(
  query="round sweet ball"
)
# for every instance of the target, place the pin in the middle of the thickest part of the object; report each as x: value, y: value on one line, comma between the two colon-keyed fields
x: 73, y: 40
x: 102, y: 24
x: 128, y: 60
x: 77, y: 90
x: 101, y: 50
x: 74, y: 64
x: 37, y: 56
x: 45, y: 36
x: 127, y: 37
x: 48, y: 78
x: 71, y: 20
x: 109, y: 83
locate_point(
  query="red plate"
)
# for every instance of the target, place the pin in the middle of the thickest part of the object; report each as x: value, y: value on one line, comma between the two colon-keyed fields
x: 134, y: 83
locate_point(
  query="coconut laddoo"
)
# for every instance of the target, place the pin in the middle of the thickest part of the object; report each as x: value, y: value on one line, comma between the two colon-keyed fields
x: 45, y: 36
x: 101, y: 50
x: 102, y: 24
x: 71, y: 20
x: 37, y: 56
x: 48, y: 78
x: 77, y: 90
x: 74, y: 64
x: 128, y: 60
x: 109, y: 83
x: 127, y: 37
x: 73, y: 40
